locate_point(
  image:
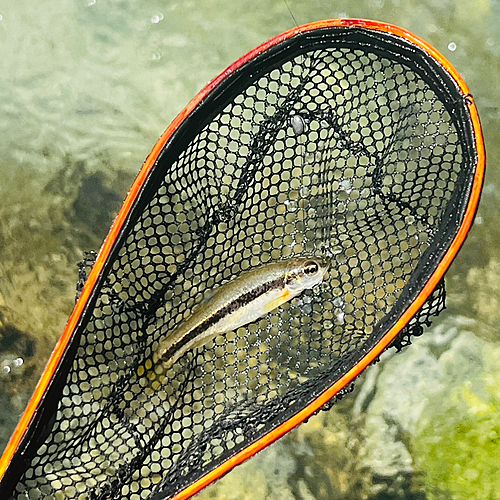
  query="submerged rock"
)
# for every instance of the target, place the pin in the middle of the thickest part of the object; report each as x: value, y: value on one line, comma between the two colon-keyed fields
x: 484, y: 298
x: 421, y: 402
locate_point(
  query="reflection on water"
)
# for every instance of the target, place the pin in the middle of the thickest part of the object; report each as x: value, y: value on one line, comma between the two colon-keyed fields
x: 87, y: 87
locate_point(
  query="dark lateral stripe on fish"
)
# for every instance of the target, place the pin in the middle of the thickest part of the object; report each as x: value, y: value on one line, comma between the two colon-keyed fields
x: 240, y: 301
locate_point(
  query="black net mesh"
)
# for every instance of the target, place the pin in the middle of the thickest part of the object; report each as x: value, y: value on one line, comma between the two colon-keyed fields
x: 342, y: 143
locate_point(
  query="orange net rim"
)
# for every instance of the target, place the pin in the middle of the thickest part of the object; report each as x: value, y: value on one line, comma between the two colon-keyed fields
x: 124, y: 212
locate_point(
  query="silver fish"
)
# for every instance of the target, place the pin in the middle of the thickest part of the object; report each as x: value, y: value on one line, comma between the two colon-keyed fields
x: 239, y: 302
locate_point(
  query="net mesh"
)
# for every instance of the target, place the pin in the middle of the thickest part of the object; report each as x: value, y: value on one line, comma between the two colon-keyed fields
x: 345, y: 150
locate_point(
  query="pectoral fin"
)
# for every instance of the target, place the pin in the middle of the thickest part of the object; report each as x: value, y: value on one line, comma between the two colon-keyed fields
x: 273, y: 304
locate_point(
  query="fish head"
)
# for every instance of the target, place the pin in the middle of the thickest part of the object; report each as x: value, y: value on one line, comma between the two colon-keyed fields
x: 305, y: 273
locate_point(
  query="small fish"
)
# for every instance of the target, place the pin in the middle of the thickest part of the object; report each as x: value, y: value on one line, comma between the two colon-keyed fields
x: 239, y: 302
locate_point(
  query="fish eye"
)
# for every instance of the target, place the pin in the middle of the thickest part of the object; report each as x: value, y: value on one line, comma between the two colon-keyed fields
x: 310, y: 268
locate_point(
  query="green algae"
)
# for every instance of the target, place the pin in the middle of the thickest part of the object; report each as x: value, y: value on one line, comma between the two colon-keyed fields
x: 458, y: 449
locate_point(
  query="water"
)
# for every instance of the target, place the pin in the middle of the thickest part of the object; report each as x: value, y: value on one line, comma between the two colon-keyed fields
x: 86, y: 89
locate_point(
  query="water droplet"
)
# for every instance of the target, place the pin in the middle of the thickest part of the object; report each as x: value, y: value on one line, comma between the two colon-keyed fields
x: 452, y: 46
x: 304, y: 191
x: 309, y: 157
x: 291, y: 205
x: 307, y: 309
x: 346, y: 186
x: 156, y: 18
x: 338, y: 302
x: 298, y: 124
x: 327, y: 324
x: 18, y: 362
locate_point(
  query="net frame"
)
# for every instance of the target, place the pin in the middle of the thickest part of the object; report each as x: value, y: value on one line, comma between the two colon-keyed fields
x: 37, y: 417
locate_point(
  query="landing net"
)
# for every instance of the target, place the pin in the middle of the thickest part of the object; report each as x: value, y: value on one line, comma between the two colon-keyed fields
x: 348, y: 140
